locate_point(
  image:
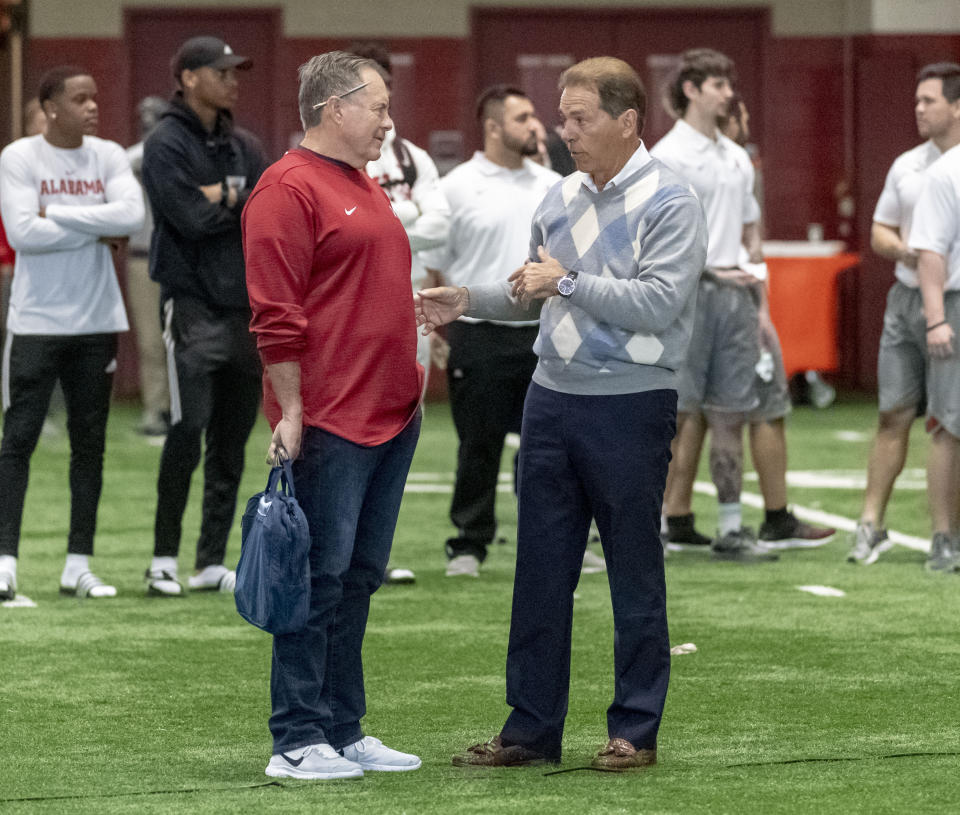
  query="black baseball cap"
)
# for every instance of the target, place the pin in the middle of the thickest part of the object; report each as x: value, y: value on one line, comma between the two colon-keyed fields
x: 212, y: 52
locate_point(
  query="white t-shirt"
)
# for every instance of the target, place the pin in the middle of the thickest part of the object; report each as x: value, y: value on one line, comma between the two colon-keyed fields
x: 64, y: 281
x: 722, y: 175
x: 491, y: 211
x: 900, y: 193
x: 936, y: 218
x: 422, y: 208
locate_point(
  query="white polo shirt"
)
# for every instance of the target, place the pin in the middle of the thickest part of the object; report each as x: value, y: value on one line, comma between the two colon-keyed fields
x: 899, y: 197
x: 722, y: 175
x: 936, y: 218
x: 491, y: 211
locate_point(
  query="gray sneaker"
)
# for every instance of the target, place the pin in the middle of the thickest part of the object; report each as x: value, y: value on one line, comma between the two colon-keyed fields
x: 740, y: 545
x: 944, y: 553
x: 868, y: 544
x: 463, y: 566
x: 593, y: 563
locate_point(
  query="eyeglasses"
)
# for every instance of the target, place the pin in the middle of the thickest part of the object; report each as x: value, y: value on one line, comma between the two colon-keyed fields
x: 341, y: 95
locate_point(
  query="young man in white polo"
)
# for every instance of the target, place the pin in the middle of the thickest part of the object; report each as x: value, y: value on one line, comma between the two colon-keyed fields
x: 935, y: 237
x: 902, y: 372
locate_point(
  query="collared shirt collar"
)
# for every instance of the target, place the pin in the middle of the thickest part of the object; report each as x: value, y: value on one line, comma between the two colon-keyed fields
x: 640, y: 158
x: 695, y: 139
x: 487, y: 167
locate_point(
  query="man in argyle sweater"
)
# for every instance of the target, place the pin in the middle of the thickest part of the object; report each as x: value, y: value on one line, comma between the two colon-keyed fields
x: 620, y: 246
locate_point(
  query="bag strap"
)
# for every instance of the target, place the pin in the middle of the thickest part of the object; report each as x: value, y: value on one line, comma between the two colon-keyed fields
x: 287, y: 478
x: 272, y: 481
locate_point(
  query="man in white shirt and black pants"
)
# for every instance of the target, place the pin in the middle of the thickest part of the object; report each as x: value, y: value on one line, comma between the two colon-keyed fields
x: 492, y: 198
x: 68, y: 200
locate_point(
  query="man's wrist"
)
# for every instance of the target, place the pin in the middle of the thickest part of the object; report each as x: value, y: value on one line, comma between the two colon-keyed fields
x: 465, y: 299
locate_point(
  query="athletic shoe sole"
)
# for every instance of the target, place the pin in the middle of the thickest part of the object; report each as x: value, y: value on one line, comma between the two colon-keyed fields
x: 390, y: 768
x: 68, y: 591
x: 686, y: 546
x: 795, y: 543
x: 293, y: 772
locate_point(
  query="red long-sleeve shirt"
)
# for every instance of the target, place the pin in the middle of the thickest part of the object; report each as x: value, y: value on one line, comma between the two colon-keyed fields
x: 328, y: 275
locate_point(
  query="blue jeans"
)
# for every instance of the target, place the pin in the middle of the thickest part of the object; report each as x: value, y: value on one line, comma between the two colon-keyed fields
x: 583, y: 456
x: 351, y: 497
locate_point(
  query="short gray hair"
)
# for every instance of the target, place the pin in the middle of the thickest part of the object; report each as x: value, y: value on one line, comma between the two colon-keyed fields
x: 327, y: 75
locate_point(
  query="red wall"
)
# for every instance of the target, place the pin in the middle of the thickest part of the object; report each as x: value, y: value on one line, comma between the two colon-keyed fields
x: 810, y: 138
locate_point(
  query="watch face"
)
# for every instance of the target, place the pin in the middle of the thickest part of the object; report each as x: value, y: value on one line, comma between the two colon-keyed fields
x: 566, y: 285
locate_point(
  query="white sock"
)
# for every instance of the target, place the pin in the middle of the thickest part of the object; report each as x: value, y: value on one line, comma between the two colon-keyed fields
x: 664, y: 528
x: 76, y: 565
x: 164, y: 564
x: 8, y: 564
x: 729, y: 518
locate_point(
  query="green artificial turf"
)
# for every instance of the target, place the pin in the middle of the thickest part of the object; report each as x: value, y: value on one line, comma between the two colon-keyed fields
x: 793, y: 703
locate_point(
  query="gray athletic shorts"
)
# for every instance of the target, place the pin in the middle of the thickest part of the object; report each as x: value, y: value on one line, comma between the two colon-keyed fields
x: 774, y: 395
x: 904, y: 370
x: 720, y: 368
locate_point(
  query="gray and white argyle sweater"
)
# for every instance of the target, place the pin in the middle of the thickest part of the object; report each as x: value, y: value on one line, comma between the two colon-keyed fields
x: 639, y: 247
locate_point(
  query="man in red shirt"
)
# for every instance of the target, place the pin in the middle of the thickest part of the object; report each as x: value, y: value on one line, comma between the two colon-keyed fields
x: 328, y: 275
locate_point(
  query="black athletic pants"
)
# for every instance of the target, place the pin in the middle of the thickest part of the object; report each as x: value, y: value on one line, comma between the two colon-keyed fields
x: 32, y: 364
x: 488, y: 371
x: 215, y: 385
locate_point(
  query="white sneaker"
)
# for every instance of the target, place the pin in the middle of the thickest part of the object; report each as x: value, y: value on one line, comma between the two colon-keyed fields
x: 400, y: 576
x: 317, y: 761
x: 213, y: 578
x: 372, y: 754
x: 593, y: 563
x: 162, y: 583
x: 464, y: 566
x: 89, y: 585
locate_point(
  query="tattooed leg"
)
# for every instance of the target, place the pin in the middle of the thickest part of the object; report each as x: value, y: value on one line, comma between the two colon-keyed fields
x: 726, y: 455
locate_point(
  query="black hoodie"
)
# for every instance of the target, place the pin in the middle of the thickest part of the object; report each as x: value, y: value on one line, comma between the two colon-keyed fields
x: 196, y: 249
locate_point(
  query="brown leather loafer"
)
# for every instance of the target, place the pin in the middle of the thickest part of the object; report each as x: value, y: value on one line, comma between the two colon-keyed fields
x: 493, y: 754
x: 620, y: 754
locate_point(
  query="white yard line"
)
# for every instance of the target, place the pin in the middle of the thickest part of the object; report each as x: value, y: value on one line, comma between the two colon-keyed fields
x: 442, y: 483
x: 817, y: 516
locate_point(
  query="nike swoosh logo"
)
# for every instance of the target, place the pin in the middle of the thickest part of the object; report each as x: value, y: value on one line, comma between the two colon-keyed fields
x: 296, y: 762
x: 349, y: 211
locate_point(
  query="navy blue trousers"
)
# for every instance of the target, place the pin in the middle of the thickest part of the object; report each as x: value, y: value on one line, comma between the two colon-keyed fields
x: 604, y: 457
x: 351, y: 497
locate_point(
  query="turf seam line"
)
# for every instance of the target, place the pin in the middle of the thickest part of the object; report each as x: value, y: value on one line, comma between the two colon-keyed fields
x: 825, y: 760
x: 141, y: 793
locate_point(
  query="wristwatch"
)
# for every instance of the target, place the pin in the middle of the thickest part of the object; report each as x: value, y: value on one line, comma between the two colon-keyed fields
x: 567, y: 284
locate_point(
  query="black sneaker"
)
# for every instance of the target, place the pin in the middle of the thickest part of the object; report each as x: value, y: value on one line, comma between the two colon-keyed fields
x: 789, y: 532
x: 680, y: 532
x: 741, y: 545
